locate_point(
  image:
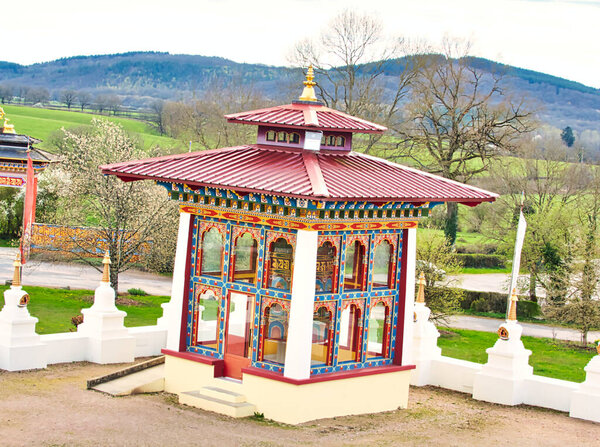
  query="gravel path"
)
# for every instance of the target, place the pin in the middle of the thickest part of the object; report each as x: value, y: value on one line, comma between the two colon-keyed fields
x: 52, y: 408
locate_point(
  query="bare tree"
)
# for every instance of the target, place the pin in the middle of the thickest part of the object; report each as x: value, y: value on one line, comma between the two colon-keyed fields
x: 68, y: 97
x: 83, y: 99
x: 6, y: 93
x: 38, y: 95
x: 358, y: 70
x: 157, y: 118
x: 458, y: 120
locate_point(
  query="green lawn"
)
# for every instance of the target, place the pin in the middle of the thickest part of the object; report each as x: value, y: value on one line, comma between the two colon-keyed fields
x: 41, y: 123
x: 55, y: 307
x: 549, y: 358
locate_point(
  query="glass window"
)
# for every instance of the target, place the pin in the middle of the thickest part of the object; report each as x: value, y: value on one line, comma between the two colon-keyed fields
x: 271, y: 135
x: 206, y: 312
x: 378, y: 331
x: 280, y: 264
x: 239, y: 325
x: 321, y: 337
x: 295, y: 138
x: 212, y: 253
x: 354, y: 271
x: 331, y: 140
x: 274, y: 334
x: 382, y: 265
x: 350, y: 335
x: 340, y: 141
x: 326, y: 268
x: 282, y: 137
x: 245, y: 252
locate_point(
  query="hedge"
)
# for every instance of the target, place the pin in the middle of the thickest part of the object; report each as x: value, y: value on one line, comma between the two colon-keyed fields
x: 478, y: 260
x: 488, y: 302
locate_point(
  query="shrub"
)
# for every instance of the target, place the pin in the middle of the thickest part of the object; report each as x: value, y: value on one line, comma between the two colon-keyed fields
x: 138, y: 292
x: 478, y: 260
x: 77, y: 320
x: 480, y: 305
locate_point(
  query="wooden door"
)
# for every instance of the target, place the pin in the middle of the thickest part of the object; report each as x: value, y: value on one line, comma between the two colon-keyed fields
x: 238, y: 334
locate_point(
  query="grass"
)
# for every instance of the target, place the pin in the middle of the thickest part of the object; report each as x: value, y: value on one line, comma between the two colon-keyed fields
x: 55, y: 307
x: 549, y: 358
x: 42, y: 123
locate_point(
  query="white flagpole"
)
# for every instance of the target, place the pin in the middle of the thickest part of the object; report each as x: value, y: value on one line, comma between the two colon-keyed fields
x: 521, y: 227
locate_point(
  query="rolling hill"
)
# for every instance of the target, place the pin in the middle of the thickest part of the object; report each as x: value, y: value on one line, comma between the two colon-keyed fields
x: 140, y: 77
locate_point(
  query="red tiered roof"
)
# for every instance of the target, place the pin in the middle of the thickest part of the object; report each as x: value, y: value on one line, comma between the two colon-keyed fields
x: 306, y: 115
x: 322, y: 175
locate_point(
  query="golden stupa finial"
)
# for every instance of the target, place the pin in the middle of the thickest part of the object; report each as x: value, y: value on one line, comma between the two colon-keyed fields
x: 512, y: 312
x: 308, y: 94
x: 16, y: 282
x: 106, y: 270
x: 6, y: 128
x: 421, y: 292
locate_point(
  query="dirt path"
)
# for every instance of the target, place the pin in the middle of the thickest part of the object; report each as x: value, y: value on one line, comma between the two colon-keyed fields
x: 52, y: 408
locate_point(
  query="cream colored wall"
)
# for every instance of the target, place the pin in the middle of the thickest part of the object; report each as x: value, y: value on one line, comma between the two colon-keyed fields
x: 294, y: 404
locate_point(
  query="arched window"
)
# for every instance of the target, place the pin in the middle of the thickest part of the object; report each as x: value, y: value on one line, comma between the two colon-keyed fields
x: 322, y: 337
x: 211, y: 259
x: 282, y: 137
x: 331, y: 140
x: 205, y: 319
x: 279, y: 265
x: 271, y: 135
x: 294, y: 138
x: 383, y: 266
x: 355, y: 269
x: 244, y: 261
x: 340, y: 141
x: 326, y: 280
x: 350, y: 334
x: 379, y: 331
x: 274, y: 334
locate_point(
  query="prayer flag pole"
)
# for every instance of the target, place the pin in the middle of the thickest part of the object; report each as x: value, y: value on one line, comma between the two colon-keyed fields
x: 521, y: 227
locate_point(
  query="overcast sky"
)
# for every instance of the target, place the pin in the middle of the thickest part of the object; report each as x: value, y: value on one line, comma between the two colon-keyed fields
x: 559, y: 37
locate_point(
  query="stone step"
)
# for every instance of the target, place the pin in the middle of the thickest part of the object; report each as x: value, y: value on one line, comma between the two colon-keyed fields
x: 149, y: 380
x: 223, y: 394
x: 199, y: 400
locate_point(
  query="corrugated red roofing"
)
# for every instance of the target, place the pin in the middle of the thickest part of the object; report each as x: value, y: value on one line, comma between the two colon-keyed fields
x: 299, y: 173
x: 306, y: 115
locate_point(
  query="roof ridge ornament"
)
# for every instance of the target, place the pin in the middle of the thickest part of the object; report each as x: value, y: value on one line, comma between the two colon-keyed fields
x: 308, y: 94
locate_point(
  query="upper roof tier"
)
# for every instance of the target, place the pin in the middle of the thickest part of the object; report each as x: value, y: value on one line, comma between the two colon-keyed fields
x: 13, y: 147
x: 307, y: 113
x: 322, y: 175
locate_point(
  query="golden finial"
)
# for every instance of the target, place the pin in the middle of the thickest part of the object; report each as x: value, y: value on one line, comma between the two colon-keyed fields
x: 512, y: 313
x: 16, y: 282
x: 6, y: 128
x: 106, y: 271
x: 421, y: 293
x: 308, y: 94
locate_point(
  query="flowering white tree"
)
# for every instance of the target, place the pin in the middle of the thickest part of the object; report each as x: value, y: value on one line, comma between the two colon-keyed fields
x: 130, y: 217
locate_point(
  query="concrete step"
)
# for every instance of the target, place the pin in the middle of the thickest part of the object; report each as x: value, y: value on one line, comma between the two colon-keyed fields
x: 200, y: 400
x: 220, y: 393
x: 149, y: 380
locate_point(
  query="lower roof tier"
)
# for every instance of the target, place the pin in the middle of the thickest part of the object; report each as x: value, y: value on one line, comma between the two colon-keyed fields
x: 316, y: 175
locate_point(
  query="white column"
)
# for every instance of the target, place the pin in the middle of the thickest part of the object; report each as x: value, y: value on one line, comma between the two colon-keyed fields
x: 109, y: 340
x: 299, y: 338
x: 501, y: 380
x: 409, y: 298
x: 20, y: 345
x: 585, y: 402
x: 172, y: 311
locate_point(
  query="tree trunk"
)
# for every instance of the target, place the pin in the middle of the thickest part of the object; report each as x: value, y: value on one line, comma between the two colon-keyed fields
x: 451, y: 226
x: 532, y: 283
x: 114, y: 277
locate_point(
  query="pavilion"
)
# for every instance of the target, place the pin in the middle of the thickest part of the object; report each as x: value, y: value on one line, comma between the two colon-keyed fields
x: 293, y: 286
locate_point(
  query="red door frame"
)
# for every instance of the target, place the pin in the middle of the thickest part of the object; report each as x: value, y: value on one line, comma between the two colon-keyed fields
x: 234, y: 363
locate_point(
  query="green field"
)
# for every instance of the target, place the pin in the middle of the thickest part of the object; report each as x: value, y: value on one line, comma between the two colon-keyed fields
x: 55, y: 307
x: 42, y: 123
x: 549, y: 358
